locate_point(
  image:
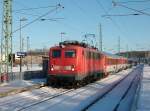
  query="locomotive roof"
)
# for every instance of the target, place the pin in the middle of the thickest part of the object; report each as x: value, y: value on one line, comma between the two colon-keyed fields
x: 82, y: 44
x: 77, y: 43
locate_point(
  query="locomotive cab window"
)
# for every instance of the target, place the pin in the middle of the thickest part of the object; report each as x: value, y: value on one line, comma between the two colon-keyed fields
x: 56, y: 53
x: 70, y: 53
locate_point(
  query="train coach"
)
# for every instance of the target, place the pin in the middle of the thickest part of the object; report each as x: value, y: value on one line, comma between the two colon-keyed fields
x: 73, y: 62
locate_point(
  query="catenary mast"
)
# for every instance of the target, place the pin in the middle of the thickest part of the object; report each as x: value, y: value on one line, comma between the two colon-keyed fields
x: 6, y: 41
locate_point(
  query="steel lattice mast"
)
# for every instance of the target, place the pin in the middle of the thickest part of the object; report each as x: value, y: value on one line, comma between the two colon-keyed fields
x: 6, y: 40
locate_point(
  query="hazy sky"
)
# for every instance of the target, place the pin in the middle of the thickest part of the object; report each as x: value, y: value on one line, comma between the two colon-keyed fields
x: 80, y: 17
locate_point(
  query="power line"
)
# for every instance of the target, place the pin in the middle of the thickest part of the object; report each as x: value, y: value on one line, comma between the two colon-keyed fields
x: 139, y: 11
x: 82, y: 9
x: 52, y: 19
x: 24, y: 13
x: 144, y: 9
x: 112, y: 20
x: 38, y: 18
x: 115, y: 24
x: 26, y: 7
x: 32, y: 8
x: 137, y: 1
x: 132, y: 14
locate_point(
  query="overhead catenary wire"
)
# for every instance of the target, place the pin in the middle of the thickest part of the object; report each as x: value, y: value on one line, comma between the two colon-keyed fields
x: 24, y: 11
x: 38, y: 18
x: 114, y: 22
x: 139, y: 11
x: 132, y: 14
x: 99, y: 3
x: 136, y: 1
x: 145, y: 9
x: 82, y: 10
x: 109, y: 17
x: 53, y: 19
x: 32, y: 8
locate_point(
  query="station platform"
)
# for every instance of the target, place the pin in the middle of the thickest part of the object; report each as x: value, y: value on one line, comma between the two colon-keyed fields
x: 144, y: 96
x: 17, y: 86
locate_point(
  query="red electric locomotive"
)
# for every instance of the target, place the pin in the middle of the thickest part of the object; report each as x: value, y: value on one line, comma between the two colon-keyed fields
x: 72, y: 62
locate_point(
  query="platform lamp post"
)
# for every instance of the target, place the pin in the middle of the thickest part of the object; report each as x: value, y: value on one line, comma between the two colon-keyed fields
x: 21, y: 20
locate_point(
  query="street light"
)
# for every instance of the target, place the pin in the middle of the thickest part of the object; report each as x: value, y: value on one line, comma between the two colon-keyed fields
x: 21, y: 20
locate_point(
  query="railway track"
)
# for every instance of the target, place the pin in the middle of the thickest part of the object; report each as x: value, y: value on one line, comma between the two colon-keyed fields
x: 45, y: 99
x: 72, y: 97
x: 30, y: 98
x: 120, y: 97
x: 48, y: 98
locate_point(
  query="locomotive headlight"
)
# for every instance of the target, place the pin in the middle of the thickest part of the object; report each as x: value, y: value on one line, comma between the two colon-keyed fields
x: 51, y: 68
x: 72, y: 67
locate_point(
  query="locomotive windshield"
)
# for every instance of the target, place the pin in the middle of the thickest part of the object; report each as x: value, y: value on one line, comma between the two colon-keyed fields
x: 56, y: 53
x: 70, y: 53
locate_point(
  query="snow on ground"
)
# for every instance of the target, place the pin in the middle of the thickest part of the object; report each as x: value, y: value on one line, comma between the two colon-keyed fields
x: 16, y: 102
x: 72, y: 101
x: 23, y: 83
x: 115, y: 95
x: 144, y: 99
x: 78, y: 99
x: 24, y: 68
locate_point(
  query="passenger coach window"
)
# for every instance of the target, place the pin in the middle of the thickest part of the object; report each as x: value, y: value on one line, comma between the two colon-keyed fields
x: 56, y: 53
x: 70, y: 53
